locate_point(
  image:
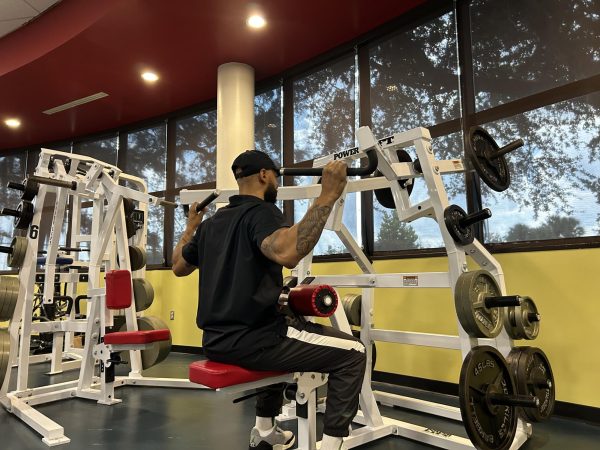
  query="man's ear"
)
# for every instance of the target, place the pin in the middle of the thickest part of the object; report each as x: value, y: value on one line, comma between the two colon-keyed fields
x: 263, y: 176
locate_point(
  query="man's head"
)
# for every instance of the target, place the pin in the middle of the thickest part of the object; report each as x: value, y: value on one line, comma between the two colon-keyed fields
x: 256, y: 174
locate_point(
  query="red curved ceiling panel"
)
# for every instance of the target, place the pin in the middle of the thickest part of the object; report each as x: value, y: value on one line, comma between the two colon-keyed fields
x: 80, y: 48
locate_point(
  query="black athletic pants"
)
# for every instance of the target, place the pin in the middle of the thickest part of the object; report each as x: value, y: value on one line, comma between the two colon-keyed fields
x: 311, y: 347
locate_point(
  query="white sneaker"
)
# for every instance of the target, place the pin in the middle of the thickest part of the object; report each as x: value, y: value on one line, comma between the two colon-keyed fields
x: 278, y: 440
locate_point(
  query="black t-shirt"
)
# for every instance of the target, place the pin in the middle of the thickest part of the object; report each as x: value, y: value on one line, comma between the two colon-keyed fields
x: 239, y: 286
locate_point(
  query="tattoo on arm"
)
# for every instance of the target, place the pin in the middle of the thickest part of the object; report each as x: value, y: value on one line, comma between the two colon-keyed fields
x: 310, y: 228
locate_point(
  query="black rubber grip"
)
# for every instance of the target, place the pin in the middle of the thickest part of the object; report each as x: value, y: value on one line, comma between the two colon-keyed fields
x: 318, y: 171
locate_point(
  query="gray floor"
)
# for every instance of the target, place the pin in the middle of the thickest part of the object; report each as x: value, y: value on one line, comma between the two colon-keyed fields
x: 158, y: 418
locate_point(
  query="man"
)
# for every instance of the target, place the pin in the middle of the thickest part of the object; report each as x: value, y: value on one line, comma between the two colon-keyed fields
x: 240, y: 252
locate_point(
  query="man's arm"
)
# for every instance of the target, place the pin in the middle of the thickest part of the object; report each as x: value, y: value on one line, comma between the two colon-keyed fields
x: 180, y: 266
x: 287, y: 246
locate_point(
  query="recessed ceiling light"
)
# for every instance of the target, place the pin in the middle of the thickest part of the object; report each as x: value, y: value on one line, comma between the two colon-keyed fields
x: 150, y: 77
x: 256, y: 21
x: 13, y: 123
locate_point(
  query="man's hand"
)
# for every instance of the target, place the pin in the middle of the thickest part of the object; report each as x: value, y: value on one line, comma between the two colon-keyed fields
x: 194, y: 218
x: 334, y: 180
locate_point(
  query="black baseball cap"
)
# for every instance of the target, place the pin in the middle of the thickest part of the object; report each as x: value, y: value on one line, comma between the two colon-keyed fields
x: 251, y: 162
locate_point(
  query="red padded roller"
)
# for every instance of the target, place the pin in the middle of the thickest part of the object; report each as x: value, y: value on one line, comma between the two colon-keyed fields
x: 137, y: 337
x: 118, y: 289
x: 309, y: 300
x: 217, y: 375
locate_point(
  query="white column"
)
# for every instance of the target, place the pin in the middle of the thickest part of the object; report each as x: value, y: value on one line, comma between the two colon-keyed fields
x: 235, y: 118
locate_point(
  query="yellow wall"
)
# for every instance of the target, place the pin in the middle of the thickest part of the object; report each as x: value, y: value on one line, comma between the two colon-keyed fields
x: 562, y: 283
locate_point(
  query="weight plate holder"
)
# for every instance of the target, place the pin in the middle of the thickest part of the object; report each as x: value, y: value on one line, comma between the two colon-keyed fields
x: 157, y: 351
x: 532, y: 372
x: 523, y: 322
x: 143, y: 294
x: 481, y: 149
x: 9, y: 294
x: 485, y: 377
x: 470, y: 293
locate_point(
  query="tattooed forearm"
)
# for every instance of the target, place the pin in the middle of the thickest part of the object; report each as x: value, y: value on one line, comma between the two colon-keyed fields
x: 310, y: 228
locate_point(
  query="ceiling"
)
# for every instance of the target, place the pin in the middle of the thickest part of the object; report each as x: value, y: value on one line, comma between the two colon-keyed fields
x: 80, y: 48
x: 16, y: 13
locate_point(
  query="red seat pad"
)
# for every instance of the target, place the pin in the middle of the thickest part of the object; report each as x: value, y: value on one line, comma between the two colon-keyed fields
x: 217, y: 375
x: 137, y: 337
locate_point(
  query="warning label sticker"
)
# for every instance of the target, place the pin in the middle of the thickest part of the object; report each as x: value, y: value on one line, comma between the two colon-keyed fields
x: 410, y: 280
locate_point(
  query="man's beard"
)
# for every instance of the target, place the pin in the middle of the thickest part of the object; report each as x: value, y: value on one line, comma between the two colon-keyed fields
x: 271, y: 194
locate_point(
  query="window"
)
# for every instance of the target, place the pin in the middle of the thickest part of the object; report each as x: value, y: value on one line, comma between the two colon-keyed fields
x: 101, y: 149
x: 146, y: 158
x: 414, y: 82
x: 522, y: 47
x: 325, y: 122
x: 195, y: 149
x: 555, y: 177
x: 324, y: 110
x: 414, y: 78
x: 12, y: 168
x: 267, y: 123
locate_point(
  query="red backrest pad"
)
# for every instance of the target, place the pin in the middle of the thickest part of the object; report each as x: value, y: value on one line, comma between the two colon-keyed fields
x: 118, y: 289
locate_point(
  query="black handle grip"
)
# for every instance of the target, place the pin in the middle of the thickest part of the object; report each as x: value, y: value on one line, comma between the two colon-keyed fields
x: 52, y: 182
x: 17, y: 186
x: 4, y: 249
x: 162, y: 202
x: 475, y: 217
x: 73, y: 249
x: 318, y: 171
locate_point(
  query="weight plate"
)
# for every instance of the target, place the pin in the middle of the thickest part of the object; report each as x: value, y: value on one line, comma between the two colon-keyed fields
x: 523, y: 322
x: 25, y: 210
x: 490, y: 427
x: 480, y: 150
x: 19, y: 250
x: 137, y: 257
x: 472, y: 288
x: 143, y: 294
x: 453, y: 214
x: 4, y: 353
x: 533, y: 374
x: 128, y: 206
x: 352, y: 306
x: 384, y: 196
x: 9, y: 294
x: 158, y: 351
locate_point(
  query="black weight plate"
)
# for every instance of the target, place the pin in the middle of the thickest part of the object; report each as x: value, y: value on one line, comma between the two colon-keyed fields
x: 472, y: 288
x: 489, y: 428
x: 128, y: 206
x: 137, y: 257
x: 480, y: 149
x: 533, y: 374
x: 384, y: 196
x: 453, y: 214
x: 25, y: 210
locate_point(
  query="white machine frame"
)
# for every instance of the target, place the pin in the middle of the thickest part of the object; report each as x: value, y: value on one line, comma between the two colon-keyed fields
x: 377, y: 426
x: 97, y: 182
